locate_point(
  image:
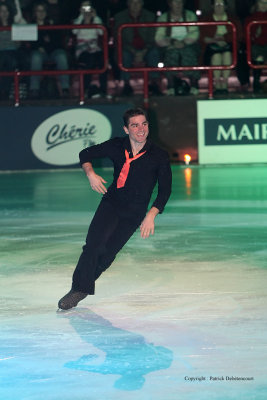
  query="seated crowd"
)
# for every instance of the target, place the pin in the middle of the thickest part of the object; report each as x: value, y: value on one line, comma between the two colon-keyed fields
x: 173, y: 45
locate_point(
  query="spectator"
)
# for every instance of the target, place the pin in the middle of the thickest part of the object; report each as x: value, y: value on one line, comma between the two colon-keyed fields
x: 258, y: 40
x: 138, y: 44
x: 48, y: 48
x: 10, y: 56
x: 107, y: 9
x: 88, y: 50
x: 56, y: 12
x: 179, y: 45
x: 15, y: 9
x: 218, y: 43
x: 206, y: 5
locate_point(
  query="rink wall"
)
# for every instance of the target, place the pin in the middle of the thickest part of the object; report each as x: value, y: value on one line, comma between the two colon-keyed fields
x: 232, y: 131
x: 211, y: 131
x: 52, y: 137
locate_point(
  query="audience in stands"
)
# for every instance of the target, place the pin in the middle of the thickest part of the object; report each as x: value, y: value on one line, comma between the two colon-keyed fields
x: 138, y: 44
x: 180, y: 45
x: 11, y: 53
x: 47, y: 49
x: 175, y: 46
x: 88, y: 49
x: 258, y: 40
x: 217, y: 41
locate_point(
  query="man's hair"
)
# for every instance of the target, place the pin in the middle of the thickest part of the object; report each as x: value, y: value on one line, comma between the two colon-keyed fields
x: 214, y: 1
x: 132, y: 112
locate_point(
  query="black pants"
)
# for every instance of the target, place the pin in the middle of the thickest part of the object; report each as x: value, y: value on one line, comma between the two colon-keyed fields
x: 108, y: 232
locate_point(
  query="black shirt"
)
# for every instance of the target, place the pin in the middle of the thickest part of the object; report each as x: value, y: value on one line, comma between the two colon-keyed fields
x: 145, y: 172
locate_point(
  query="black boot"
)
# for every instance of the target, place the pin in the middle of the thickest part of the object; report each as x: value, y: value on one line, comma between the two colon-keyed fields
x: 71, y: 299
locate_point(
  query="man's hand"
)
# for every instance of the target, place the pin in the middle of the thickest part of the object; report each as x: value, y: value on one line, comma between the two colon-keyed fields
x: 147, y: 227
x: 96, y: 181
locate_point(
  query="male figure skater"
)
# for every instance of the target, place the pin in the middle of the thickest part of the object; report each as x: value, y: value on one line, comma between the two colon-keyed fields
x: 138, y: 166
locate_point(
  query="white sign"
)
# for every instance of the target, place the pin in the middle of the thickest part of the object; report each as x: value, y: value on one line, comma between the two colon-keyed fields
x: 59, y: 139
x: 24, y: 32
x: 232, y: 131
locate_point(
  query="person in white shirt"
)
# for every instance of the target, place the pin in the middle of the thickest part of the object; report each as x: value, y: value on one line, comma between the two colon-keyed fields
x: 179, y: 44
x: 88, y: 49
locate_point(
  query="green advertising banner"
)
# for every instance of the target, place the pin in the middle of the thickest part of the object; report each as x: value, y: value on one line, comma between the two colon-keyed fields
x: 232, y: 131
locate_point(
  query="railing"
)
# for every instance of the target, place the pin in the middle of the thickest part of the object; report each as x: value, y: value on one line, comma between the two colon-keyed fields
x: 208, y: 68
x: 249, y: 44
x: 80, y: 72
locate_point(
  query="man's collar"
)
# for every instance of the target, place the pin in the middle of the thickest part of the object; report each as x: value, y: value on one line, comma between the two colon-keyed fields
x: 128, y: 146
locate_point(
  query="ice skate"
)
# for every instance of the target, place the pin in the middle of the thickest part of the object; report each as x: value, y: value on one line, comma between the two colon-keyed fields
x: 71, y: 299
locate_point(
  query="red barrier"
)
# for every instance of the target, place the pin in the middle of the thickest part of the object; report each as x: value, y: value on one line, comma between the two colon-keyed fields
x: 81, y: 73
x: 144, y: 70
x: 208, y: 68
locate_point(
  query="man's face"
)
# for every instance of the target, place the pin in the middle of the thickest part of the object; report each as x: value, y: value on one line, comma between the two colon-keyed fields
x: 40, y: 13
x: 176, y: 6
x: 137, y: 129
x: 85, y: 7
x: 135, y: 7
x: 219, y: 6
x: 4, y: 13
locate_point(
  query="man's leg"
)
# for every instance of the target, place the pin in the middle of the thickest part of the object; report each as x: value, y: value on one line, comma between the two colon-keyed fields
x: 37, y: 59
x: 127, y: 62
x: 152, y: 59
x: 59, y: 56
x: 107, y: 234
x: 190, y: 55
x: 100, y: 230
x: 122, y: 233
x: 258, y: 59
x: 171, y: 59
x: 83, y: 281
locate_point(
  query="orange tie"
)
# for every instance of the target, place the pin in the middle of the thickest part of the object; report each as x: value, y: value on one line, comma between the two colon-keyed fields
x: 125, y: 169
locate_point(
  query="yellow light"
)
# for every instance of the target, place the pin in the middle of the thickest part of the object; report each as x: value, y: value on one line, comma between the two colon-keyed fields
x: 187, y: 159
x: 188, y: 180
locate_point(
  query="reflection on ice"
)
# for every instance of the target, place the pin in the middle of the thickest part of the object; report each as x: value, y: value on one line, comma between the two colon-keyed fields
x: 126, y: 354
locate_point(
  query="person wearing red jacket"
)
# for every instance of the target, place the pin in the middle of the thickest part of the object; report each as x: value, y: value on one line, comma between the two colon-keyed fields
x: 258, y: 35
x: 217, y: 42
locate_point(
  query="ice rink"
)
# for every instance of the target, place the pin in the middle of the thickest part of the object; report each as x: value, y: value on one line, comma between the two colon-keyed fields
x: 179, y: 316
